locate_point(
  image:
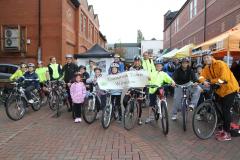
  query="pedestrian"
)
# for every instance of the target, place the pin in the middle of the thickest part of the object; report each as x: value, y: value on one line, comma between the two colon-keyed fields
x: 78, y: 93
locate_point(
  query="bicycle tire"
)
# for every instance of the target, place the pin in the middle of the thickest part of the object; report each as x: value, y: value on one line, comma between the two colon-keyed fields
x: 207, y: 106
x: 37, y: 106
x: 86, y: 108
x: 184, y: 114
x: 51, y: 99
x: 107, y: 116
x: 130, y: 115
x: 8, y: 103
x: 164, y: 118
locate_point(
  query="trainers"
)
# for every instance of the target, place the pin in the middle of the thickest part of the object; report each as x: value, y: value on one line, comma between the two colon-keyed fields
x: 149, y: 119
x: 174, y: 117
x: 224, y: 137
x: 219, y: 133
x: 31, y: 101
x: 76, y: 120
x: 139, y: 121
x: 191, y: 107
x: 79, y: 119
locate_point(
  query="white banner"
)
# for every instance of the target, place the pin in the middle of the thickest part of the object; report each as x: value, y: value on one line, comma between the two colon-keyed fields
x: 129, y: 79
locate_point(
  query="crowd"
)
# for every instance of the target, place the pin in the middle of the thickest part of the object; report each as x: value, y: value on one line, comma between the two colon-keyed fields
x: 160, y: 72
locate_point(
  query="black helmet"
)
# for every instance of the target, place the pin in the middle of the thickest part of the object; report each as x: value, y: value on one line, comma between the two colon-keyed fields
x: 136, y: 58
x: 185, y: 60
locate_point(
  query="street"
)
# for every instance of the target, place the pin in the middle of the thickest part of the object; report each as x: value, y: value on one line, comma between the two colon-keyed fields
x: 41, y: 136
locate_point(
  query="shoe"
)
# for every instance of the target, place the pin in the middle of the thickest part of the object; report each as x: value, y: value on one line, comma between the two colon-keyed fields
x: 224, y: 137
x: 79, y: 119
x: 31, y: 101
x: 76, y: 120
x: 174, y: 117
x: 219, y: 133
x: 191, y: 107
x: 140, y: 121
x: 148, y: 120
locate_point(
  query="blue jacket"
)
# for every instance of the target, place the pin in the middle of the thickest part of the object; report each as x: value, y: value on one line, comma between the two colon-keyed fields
x: 30, y: 79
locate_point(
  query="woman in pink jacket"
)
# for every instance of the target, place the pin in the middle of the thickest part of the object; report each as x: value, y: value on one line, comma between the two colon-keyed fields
x: 78, y: 93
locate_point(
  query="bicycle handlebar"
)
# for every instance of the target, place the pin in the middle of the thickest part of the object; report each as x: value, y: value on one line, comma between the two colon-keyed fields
x: 183, y: 86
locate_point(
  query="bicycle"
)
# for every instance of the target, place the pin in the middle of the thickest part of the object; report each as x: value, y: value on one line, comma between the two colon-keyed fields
x: 132, y: 109
x: 107, y: 113
x: 186, y: 99
x: 58, y: 97
x: 17, y: 103
x: 160, y: 109
x: 208, y: 115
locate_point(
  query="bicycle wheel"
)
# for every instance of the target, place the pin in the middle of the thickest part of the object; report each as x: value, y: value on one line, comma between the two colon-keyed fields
x: 107, y: 115
x: 164, y: 118
x: 15, y: 108
x: 37, y: 101
x: 52, y: 100
x: 184, y: 114
x: 204, y: 120
x: 89, y: 110
x: 130, y: 115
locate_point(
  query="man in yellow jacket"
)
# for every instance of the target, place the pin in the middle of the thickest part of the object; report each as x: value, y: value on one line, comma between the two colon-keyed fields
x: 147, y: 63
x: 217, y: 71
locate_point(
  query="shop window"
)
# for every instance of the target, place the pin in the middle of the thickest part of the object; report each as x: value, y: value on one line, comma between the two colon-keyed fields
x: 193, y: 9
x: 176, y: 25
x: 13, y: 38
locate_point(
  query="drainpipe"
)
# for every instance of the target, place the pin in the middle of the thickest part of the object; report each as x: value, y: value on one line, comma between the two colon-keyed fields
x: 205, y: 19
x: 39, y: 54
x: 170, y: 36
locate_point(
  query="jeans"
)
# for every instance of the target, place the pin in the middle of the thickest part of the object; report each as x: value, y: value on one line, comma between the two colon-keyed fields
x: 178, y: 94
x: 28, y: 91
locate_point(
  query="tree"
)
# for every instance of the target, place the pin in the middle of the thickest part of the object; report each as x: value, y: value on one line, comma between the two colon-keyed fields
x: 140, y: 36
x: 121, y: 51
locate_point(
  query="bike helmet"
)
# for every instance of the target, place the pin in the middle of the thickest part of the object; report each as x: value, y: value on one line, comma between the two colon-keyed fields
x: 114, y: 65
x: 137, y: 58
x: 31, y: 65
x: 68, y: 56
x: 159, y: 61
x: 207, y: 53
x: 185, y: 60
x: 116, y: 56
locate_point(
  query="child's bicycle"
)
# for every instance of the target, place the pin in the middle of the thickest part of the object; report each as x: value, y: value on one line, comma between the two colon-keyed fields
x: 160, y: 109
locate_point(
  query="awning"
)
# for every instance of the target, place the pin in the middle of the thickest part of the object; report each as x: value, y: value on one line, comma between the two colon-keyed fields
x: 185, y: 51
x: 170, y: 54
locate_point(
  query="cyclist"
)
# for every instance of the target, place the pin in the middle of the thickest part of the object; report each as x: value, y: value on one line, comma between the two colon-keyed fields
x: 183, y: 76
x: 100, y: 93
x: 69, y: 69
x: 158, y: 78
x: 19, y: 73
x: 217, y: 71
x: 118, y: 61
x: 136, y: 67
x: 116, y: 94
x: 42, y: 73
x: 55, y: 70
x: 31, y: 82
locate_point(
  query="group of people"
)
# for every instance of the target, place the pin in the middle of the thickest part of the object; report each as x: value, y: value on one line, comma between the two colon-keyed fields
x: 174, y: 72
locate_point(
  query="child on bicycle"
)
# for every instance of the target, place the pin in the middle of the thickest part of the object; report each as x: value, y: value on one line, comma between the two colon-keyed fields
x: 116, y: 94
x: 158, y: 78
x: 78, y: 93
x: 100, y: 93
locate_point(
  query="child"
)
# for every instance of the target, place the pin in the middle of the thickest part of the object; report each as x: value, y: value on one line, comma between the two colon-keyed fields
x: 78, y: 93
x: 157, y: 78
x: 116, y: 94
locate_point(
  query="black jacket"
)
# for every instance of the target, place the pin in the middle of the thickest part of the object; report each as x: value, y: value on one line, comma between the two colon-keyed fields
x: 182, y: 77
x: 69, y: 70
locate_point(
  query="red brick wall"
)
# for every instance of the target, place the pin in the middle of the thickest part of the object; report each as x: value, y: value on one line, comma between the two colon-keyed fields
x: 221, y: 16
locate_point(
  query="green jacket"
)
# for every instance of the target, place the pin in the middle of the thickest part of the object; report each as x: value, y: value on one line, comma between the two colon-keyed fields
x: 41, y: 72
x: 19, y: 73
x: 159, y: 78
x: 148, y: 65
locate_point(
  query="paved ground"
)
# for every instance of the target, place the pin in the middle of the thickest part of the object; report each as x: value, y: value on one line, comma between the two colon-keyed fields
x: 40, y: 136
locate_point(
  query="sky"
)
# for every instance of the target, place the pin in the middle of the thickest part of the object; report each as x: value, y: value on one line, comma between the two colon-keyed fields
x: 120, y: 19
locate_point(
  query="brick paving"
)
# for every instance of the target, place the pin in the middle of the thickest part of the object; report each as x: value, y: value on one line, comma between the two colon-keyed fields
x: 40, y: 136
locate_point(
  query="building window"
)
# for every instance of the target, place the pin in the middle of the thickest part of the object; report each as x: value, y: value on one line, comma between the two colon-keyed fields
x: 81, y: 23
x: 85, y: 26
x: 13, y: 39
x: 176, y: 25
x: 193, y: 9
x: 92, y: 30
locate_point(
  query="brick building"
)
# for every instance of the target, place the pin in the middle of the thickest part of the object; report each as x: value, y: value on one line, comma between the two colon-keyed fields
x: 199, y: 20
x: 38, y: 29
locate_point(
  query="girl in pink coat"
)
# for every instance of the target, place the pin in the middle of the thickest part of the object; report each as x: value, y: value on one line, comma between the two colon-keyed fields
x: 78, y: 93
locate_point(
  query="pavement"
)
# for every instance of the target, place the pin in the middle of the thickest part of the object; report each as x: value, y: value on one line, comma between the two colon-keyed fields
x: 41, y: 136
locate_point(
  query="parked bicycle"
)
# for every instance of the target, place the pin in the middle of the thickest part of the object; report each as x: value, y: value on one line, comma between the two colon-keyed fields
x: 208, y: 115
x: 107, y: 113
x: 58, y: 97
x: 132, y: 109
x: 186, y: 99
x: 17, y: 103
x: 160, y: 109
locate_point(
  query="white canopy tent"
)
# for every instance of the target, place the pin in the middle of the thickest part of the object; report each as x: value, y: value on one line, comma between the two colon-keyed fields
x: 170, y: 54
